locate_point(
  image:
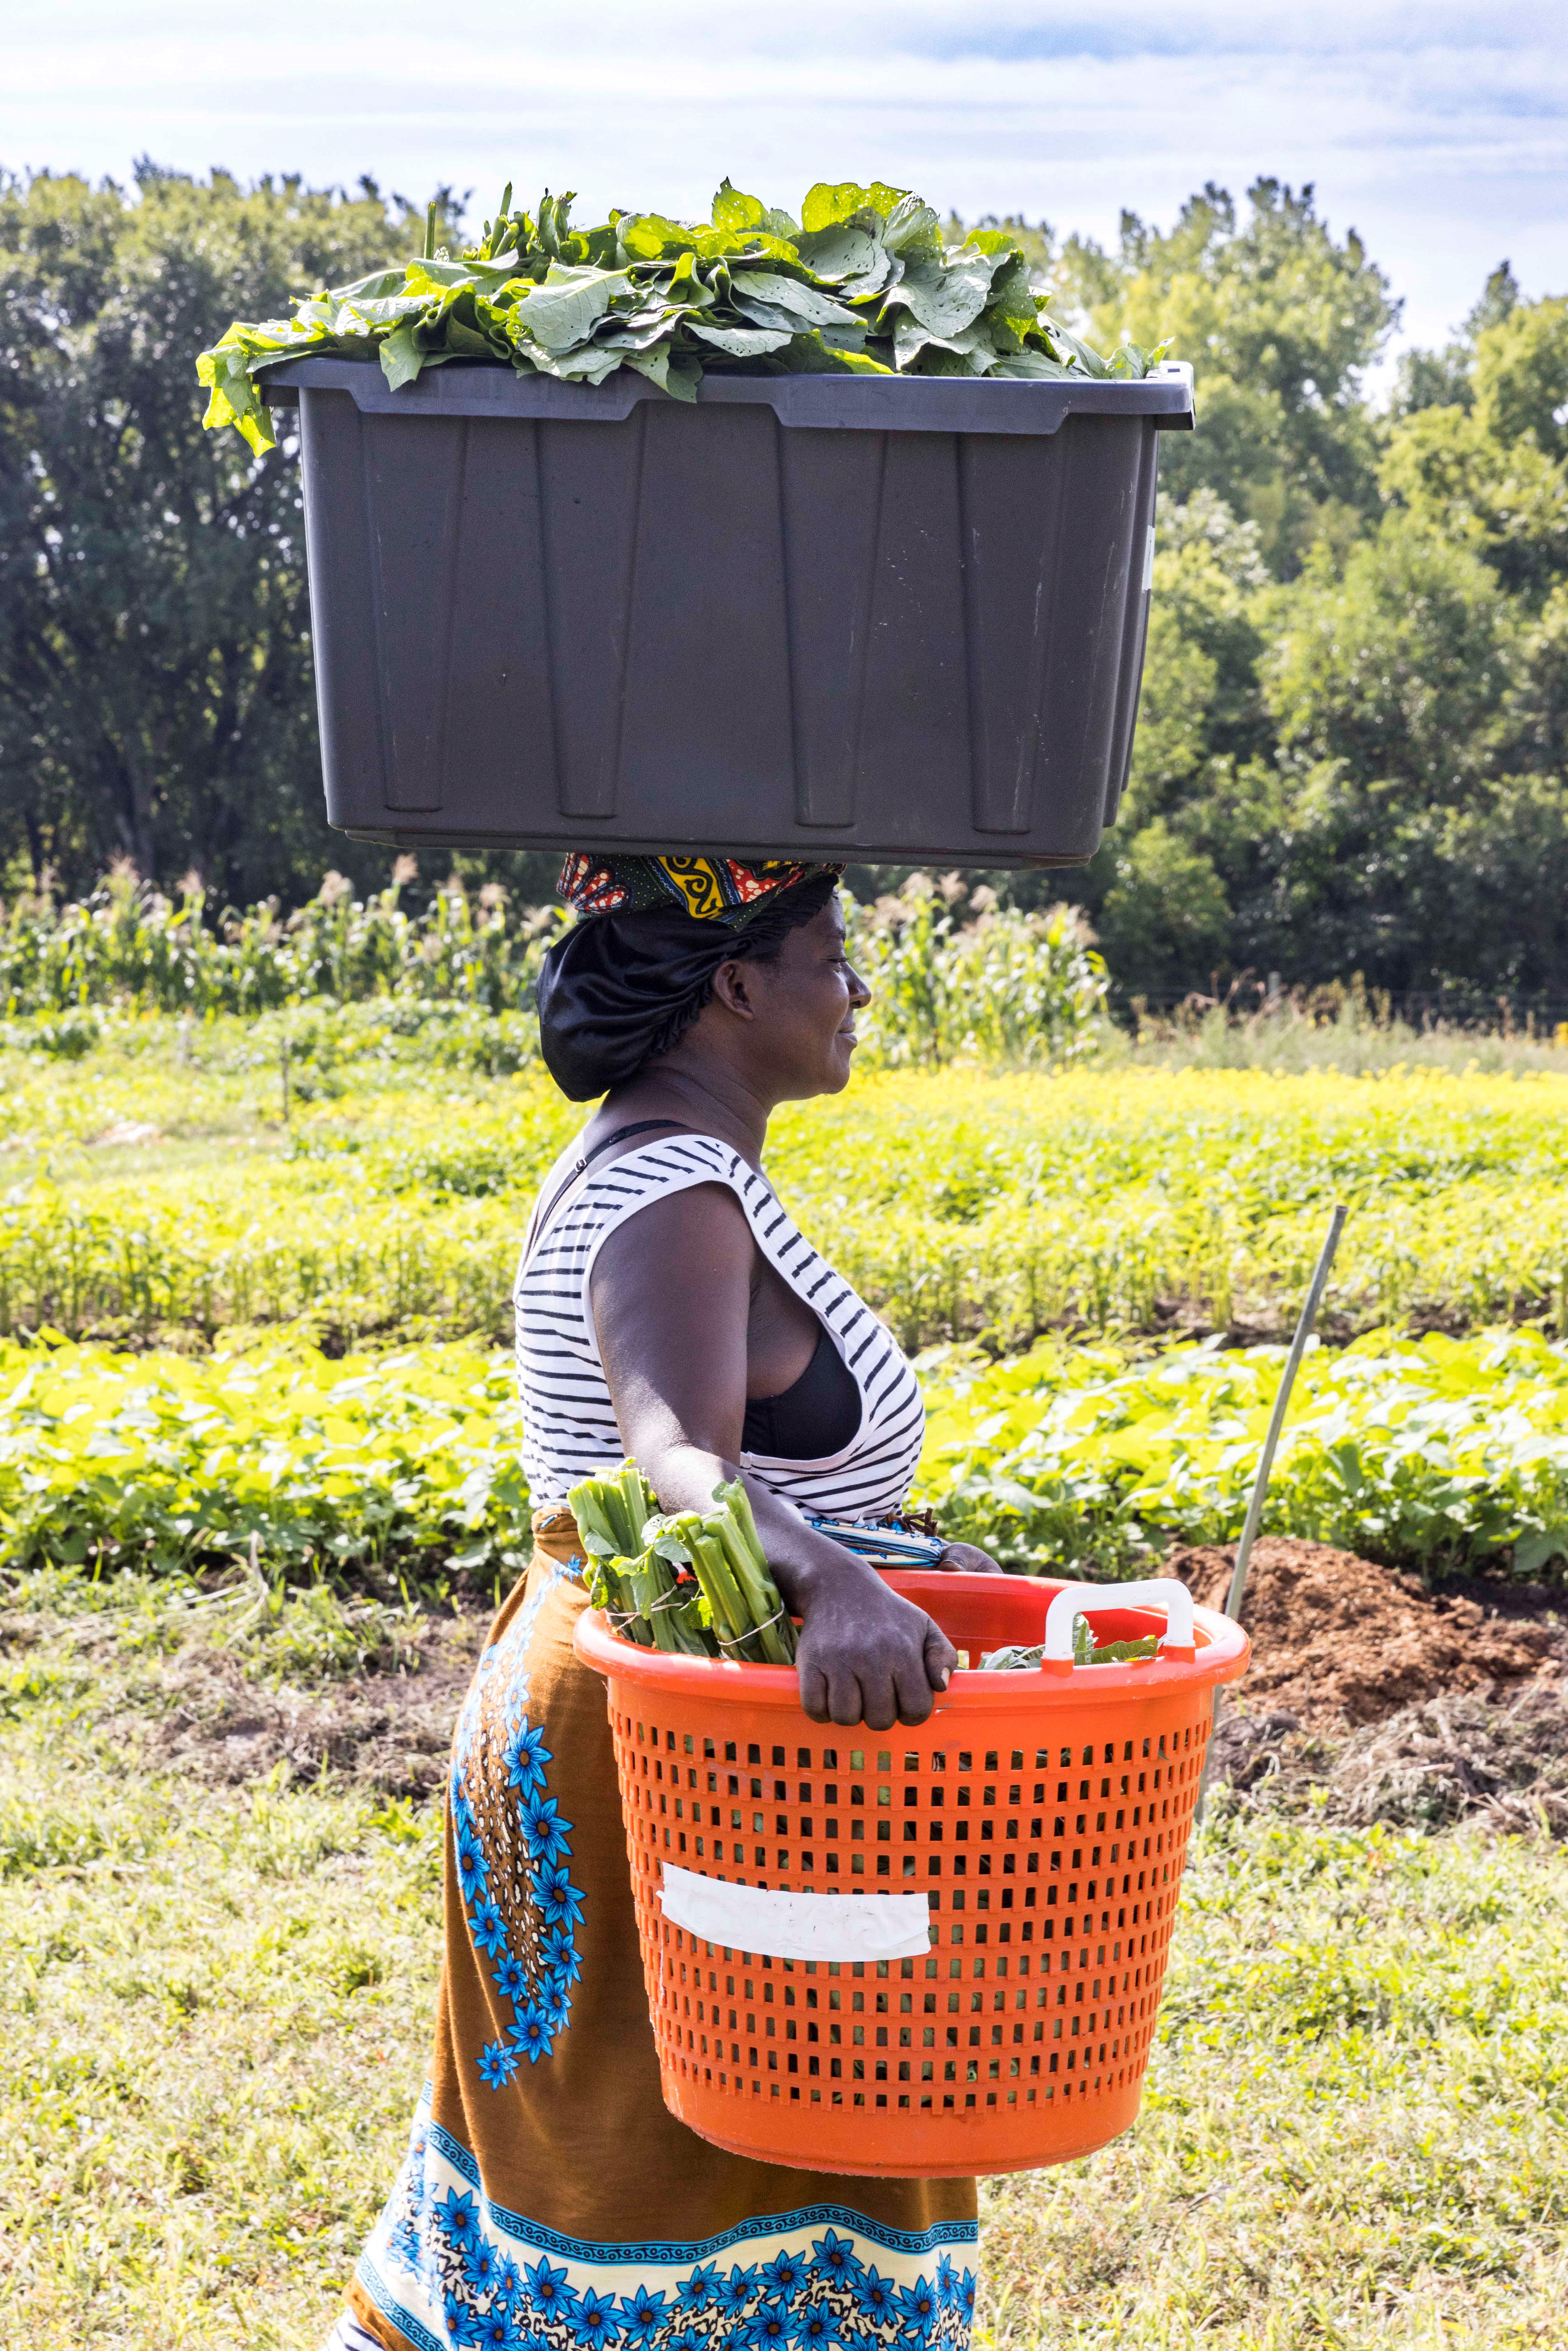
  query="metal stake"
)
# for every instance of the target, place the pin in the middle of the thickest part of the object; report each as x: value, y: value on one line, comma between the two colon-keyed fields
x: 1265, y: 1460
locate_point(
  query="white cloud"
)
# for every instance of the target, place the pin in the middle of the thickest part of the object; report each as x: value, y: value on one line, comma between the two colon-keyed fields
x: 1440, y: 131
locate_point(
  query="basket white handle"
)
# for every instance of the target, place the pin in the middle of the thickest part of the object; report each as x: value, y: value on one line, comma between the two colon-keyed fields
x: 1161, y: 1592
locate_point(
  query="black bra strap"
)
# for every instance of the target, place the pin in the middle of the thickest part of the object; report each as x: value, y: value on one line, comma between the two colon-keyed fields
x: 641, y: 1126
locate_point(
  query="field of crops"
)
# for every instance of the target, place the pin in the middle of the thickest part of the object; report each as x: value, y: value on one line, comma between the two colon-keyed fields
x: 254, y: 1428
x: 158, y: 1194
x: 400, y: 1469
x: 187, y: 1250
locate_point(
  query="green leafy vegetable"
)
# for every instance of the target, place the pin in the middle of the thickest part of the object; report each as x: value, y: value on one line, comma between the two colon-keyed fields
x: 693, y: 1585
x: 863, y: 283
x: 1086, y: 1651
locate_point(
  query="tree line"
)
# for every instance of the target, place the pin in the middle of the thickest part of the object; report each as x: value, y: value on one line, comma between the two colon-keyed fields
x: 1351, y: 752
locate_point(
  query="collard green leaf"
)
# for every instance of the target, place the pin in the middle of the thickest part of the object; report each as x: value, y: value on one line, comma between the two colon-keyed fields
x: 640, y: 333
x: 1011, y: 304
x: 563, y: 313
x: 734, y: 211
x: 1084, y: 358
x: 648, y: 237
x: 765, y: 314
x: 844, y: 251
x: 794, y: 295
x: 1025, y: 364
x: 945, y: 297
x: 689, y: 286
x: 812, y: 354
x: 741, y: 342
x: 466, y: 342
x: 862, y: 284
x: 591, y: 364
x: 912, y: 227
x: 916, y: 347
x: 386, y: 310
x: 370, y: 288
x: 827, y: 203
x: 401, y: 358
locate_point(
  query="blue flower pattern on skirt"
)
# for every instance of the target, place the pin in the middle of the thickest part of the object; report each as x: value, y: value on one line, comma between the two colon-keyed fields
x: 513, y: 1864
x: 450, y: 2272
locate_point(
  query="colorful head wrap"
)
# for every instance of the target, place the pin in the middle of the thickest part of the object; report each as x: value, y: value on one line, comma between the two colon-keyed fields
x: 710, y: 889
x: 626, y: 982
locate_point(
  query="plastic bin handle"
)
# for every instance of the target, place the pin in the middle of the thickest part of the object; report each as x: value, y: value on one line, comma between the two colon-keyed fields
x: 1161, y: 1592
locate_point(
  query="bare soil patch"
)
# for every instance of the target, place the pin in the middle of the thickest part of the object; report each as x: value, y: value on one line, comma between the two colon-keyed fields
x: 386, y: 1731
x: 1337, y: 1639
x: 1371, y: 1699
x: 1499, y: 1760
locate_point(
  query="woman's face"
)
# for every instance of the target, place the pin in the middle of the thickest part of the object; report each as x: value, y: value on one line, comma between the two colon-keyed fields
x: 802, y: 1008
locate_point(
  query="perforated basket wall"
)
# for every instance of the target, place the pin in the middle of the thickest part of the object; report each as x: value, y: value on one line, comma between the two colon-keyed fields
x: 1048, y: 1835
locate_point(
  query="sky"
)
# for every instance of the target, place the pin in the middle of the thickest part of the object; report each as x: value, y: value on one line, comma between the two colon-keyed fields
x: 1440, y: 131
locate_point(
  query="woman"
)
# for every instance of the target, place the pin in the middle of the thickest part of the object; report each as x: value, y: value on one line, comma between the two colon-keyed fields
x: 667, y: 1309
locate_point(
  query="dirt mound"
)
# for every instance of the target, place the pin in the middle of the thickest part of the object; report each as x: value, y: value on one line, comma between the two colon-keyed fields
x: 1336, y: 1639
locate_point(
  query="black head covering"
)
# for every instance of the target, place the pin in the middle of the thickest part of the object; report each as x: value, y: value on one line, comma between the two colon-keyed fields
x: 620, y: 989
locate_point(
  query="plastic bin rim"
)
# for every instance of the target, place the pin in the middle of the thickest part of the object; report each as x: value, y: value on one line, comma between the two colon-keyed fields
x: 1223, y: 1649
x: 828, y: 403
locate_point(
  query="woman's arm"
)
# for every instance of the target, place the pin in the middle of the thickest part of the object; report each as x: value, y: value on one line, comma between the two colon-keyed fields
x: 672, y: 1298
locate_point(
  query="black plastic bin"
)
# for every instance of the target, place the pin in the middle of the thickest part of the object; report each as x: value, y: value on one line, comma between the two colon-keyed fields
x: 829, y: 616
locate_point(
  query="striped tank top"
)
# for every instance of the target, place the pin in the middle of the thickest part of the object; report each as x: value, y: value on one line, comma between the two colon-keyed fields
x: 569, y: 1421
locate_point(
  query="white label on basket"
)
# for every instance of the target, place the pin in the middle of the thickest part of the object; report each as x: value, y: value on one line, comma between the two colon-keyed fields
x: 796, y: 1926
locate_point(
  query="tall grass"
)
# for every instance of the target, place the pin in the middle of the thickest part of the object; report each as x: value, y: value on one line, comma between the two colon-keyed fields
x: 1338, y: 1027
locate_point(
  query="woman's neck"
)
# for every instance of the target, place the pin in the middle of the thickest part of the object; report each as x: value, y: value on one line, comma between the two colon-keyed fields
x: 709, y: 1096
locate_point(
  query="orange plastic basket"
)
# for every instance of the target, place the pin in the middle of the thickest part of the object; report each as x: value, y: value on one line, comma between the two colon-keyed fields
x: 1039, y: 1818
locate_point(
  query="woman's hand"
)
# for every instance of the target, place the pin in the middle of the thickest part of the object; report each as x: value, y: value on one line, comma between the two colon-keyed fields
x: 671, y: 1299
x: 963, y: 1559
x: 864, y: 1654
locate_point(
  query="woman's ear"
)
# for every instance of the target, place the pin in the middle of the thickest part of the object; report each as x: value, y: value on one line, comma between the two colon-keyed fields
x: 729, y: 990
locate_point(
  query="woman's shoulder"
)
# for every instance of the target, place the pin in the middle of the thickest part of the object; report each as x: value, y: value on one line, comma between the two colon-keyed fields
x: 589, y: 1189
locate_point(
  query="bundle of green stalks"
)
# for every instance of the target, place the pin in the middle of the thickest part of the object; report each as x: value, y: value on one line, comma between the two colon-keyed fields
x: 692, y: 1585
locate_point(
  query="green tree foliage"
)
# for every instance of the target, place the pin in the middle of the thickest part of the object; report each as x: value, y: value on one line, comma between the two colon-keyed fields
x: 1354, y: 733
x: 1279, y: 321
x: 1166, y: 913
x: 156, y: 699
x: 1355, y: 725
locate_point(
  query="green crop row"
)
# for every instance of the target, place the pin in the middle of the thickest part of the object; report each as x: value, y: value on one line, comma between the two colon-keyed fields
x: 1439, y: 1455
x: 128, y: 944
x: 148, y: 1200
x: 1007, y: 987
x: 368, y: 1467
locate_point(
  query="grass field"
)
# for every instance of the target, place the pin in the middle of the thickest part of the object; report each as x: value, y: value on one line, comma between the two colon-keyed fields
x: 215, y: 2000
x: 217, y: 1965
